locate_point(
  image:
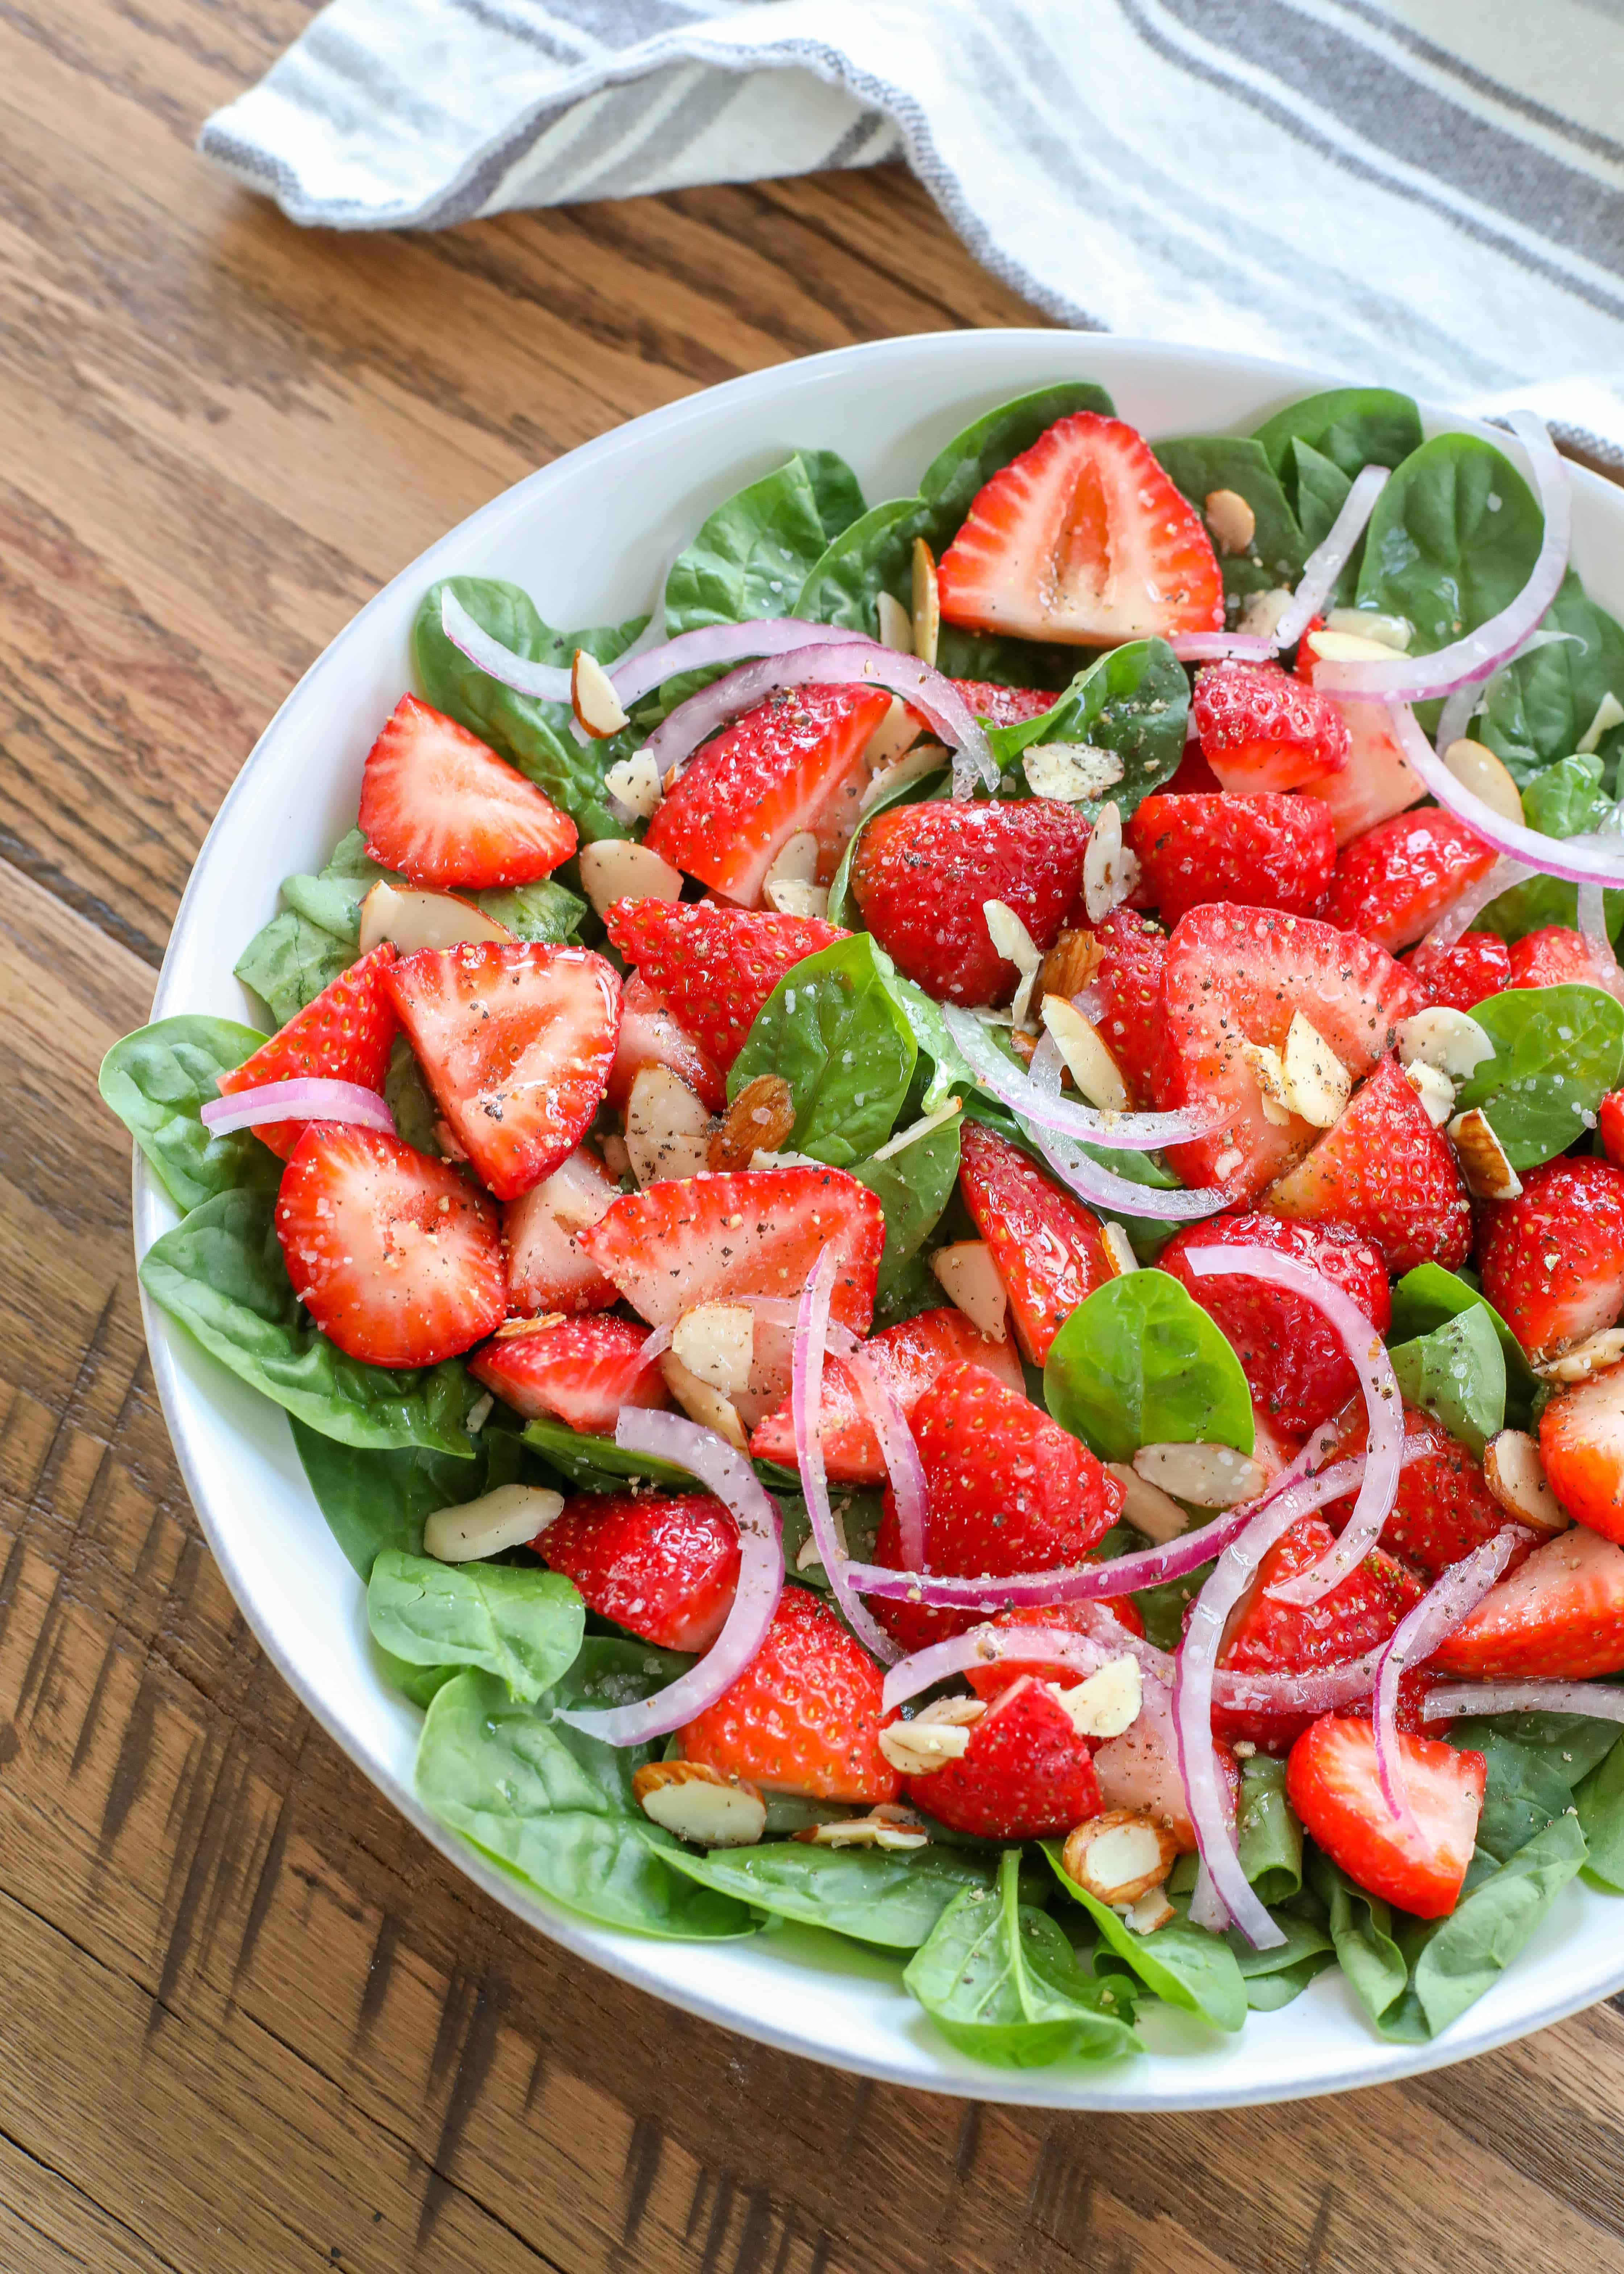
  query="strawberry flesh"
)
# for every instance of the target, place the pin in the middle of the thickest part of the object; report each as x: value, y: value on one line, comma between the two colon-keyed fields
x: 344, y: 1035
x: 1049, y: 1248
x: 1024, y: 1775
x: 714, y: 967
x: 1552, y: 1260
x: 1418, y: 1865
x: 804, y: 1716
x: 1394, y: 881
x: 1385, y: 1173
x: 1559, y: 1617
x: 440, y: 807
x: 663, y: 1566
x: 582, y: 1371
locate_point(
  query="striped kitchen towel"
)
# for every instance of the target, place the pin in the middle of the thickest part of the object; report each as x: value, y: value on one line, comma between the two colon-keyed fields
x: 1429, y: 192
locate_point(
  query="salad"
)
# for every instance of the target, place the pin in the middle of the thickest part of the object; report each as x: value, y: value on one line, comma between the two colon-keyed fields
x: 946, y: 1234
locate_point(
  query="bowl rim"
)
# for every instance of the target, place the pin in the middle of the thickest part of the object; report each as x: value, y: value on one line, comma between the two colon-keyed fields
x: 1077, y: 2087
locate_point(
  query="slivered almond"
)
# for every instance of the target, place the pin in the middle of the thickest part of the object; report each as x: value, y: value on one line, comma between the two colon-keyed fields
x: 1317, y: 1085
x: 511, y: 1516
x: 924, y: 758
x: 1119, y: 1250
x: 716, y: 1341
x: 1071, y: 771
x: 1149, y: 1911
x: 1011, y: 939
x: 1609, y: 714
x: 1088, y: 1061
x: 409, y: 919
x: 1393, y: 633
x: 1452, y: 1041
x: 635, y: 781
x: 1489, y: 1175
x: 1476, y: 768
x: 896, y: 625
x: 614, y: 869
x: 1111, y: 871
x: 927, y: 604
x: 1269, y: 1071
x: 702, y: 1404
x: 886, y: 1826
x: 1435, y: 1090
x: 1071, y: 964
x: 1210, y: 1475
x: 1515, y: 1476
x: 597, y: 708
x: 698, y: 1802
x: 795, y: 862
x: 897, y: 731
x: 1578, y: 1361
x: 950, y: 1714
x: 969, y: 1278
x: 948, y: 1110
x: 1147, y: 1507
x: 667, y: 1128
x: 1231, y: 520
x: 917, y: 1749
x: 1105, y: 1703
x: 757, y: 1121
x: 787, y: 896
x: 1341, y: 646
x: 1261, y: 611
x: 1119, y: 1856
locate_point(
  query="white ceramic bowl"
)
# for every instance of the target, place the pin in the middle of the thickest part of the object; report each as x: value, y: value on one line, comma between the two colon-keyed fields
x: 586, y: 536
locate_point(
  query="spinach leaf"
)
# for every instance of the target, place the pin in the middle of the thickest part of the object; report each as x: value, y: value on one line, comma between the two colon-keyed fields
x: 1274, y: 1978
x: 1460, y: 1957
x: 1557, y: 1053
x: 1000, y: 1981
x: 374, y: 1499
x: 1139, y: 1363
x: 929, y: 1029
x: 1453, y: 538
x: 832, y: 1029
x: 1180, y: 1963
x: 752, y: 556
x: 1134, y: 702
x: 892, y: 1900
x: 421, y: 1685
x: 158, y: 1080
x: 1539, y: 709
x: 875, y: 554
x: 513, y: 1620
x: 856, y: 1511
x: 1428, y: 1296
x: 1361, y: 1930
x: 1198, y: 464
x: 913, y: 1186
x: 1352, y: 426
x: 220, y: 1273
x: 556, y: 1806
x: 1599, y: 1798
x: 1534, y: 1761
x: 1318, y: 489
x: 1458, y: 1373
x: 958, y: 474
x: 1563, y: 800
x: 598, y: 1463
x: 409, y: 1099
x: 314, y: 935
x: 1269, y: 1836
x: 545, y: 911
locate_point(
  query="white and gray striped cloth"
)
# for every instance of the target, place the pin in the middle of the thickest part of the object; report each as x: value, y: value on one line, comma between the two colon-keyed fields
x: 1427, y: 193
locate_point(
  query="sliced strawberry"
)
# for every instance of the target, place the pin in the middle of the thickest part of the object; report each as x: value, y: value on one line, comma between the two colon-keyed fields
x: 516, y: 1043
x: 1444, y: 1508
x: 804, y: 1716
x: 1581, y: 1440
x: 663, y: 1566
x: 546, y: 1270
x: 991, y: 1682
x: 714, y: 965
x: 1558, y: 1617
x: 1265, y: 850
x: 1005, y: 706
x: 1047, y: 1246
x: 1024, y: 1774
x: 1558, y: 957
x: 922, y: 875
x: 1459, y: 977
x: 1394, y: 883
x: 344, y: 1035
x: 582, y: 1371
x: 1082, y: 539
x: 1236, y: 976
x: 1418, y: 1865
x: 397, y: 1259
x: 651, y: 1036
x: 1552, y: 1260
x: 1260, y: 729
x: 795, y: 763
x: 1376, y: 780
x: 1140, y: 1769
x: 1129, y: 981
x: 1299, y: 1371
x: 438, y: 806
x: 1610, y: 1125
x: 1382, y: 1169
x: 908, y: 1358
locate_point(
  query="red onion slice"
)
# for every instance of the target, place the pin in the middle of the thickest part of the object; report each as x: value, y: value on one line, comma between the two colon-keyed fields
x: 1594, y: 1700
x: 634, y: 676
x: 1450, y: 1599
x: 1464, y: 913
x: 1101, y: 1187
x: 1588, y: 858
x: 671, y: 1437
x: 1222, y: 647
x: 1320, y: 1690
x: 992, y: 1646
x: 1324, y: 564
x: 307, y: 1098
x: 806, y: 1410
x: 899, y: 1453
x: 1416, y: 678
x: 1046, y: 1109
x: 1385, y: 1441
x: 548, y: 683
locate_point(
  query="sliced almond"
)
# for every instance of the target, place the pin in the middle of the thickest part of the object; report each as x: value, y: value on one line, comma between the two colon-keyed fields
x: 1261, y: 611
x: 1515, y: 1476
x: 1317, y: 1085
x: 1147, y: 1507
x: 409, y: 919
x: 1209, y: 1476
x: 924, y: 758
x: 614, y: 869
x: 886, y: 1826
x: 1013, y: 942
x: 950, y: 1713
x: 716, y: 1341
x: 617, y: 1160
x: 1231, y: 521
x: 920, y: 1747
x: 1393, y: 633
x: 1071, y: 772
x: 1070, y: 963
x: 698, y: 1802
x: 1609, y: 714
x: 795, y: 862
x: 926, y: 625
x: 1088, y: 1062
x: 635, y: 781
x: 1435, y: 1090
x: 897, y: 731
x: 1341, y: 646
x: 479, y: 1413
x: 1105, y: 1703
x: 948, y: 1110
x: 597, y: 708
x: 787, y: 896
x: 1149, y: 1911
x: 896, y: 625
x: 667, y: 1128
x: 969, y: 1279
x: 1578, y: 1361
x: 1476, y: 768
x: 1119, y: 1250
x: 757, y: 1121
x: 1111, y: 871
x: 702, y: 1404
x: 1489, y: 1175
x: 1451, y: 1041
x: 511, y: 1516
x: 1269, y: 1070
x: 1119, y: 1856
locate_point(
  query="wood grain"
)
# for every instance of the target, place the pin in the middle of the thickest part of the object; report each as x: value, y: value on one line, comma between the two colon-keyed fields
x: 251, y: 2022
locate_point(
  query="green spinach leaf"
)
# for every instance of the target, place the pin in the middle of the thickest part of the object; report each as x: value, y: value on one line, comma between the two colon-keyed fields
x: 752, y: 556
x: 1180, y: 1963
x: 1351, y: 426
x: 1318, y: 490
x: 913, y: 1186
x: 1535, y: 1762
x: 1139, y: 1363
x: 1563, y: 800
x: 545, y: 911
x: 1428, y: 1296
x: 892, y: 1900
x: 1458, y: 1374
x: 1274, y: 1978
x: 1453, y: 538
x: 832, y: 1029
x: 1460, y: 1957
x: 598, y: 1463
x: 1557, y: 1053
x: 374, y: 1499
x: 1599, y: 1798
x: 1361, y: 1930
x: 1269, y: 1836
x: 1539, y: 709
x: 313, y: 936
x: 843, y: 909
x: 1134, y: 702
x: 1198, y: 464
x: 158, y: 1080
x: 513, y: 1620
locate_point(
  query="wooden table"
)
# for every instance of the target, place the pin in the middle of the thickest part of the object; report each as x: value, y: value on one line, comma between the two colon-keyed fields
x: 249, y: 2023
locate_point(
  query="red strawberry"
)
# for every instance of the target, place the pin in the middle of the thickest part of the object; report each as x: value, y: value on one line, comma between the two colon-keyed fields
x: 546, y: 1270
x: 1420, y: 1865
x: 1083, y: 539
x: 1610, y: 1124
x: 650, y: 1035
x: 1140, y: 1769
x: 440, y: 807
x: 1077, y: 1618
x: 1298, y: 1370
x: 1444, y: 1508
x: 1552, y: 1260
x: 908, y: 1358
x: 1376, y: 780
x: 397, y: 1258
x: 1394, y: 881
x: 1193, y: 777
x: 921, y: 874
x: 1005, y: 706
x: 1382, y: 1169
x: 582, y: 1371
x: 1558, y: 957
x: 1047, y: 1246
x: 1236, y: 976
x: 795, y: 763
x: 1008, y: 1490
x: 1129, y: 981
x: 1459, y: 977
x: 1582, y: 1439
x: 343, y: 1036
x: 516, y: 1043
x: 1260, y: 729
x: 714, y: 965
x: 1559, y: 1617
x: 1025, y: 1773
x: 1266, y: 850
x: 1267, y: 1636
x: 663, y: 1566
x: 804, y: 1716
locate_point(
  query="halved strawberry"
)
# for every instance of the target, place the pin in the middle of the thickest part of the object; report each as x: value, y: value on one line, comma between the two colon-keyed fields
x: 1610, y: 1125
x: 1082, y: 539
x: 438, y: 806
x: 1559, y: 1617
x: 1444, y: 1508
x: 663, y: 1566
x: 1418, y: 1865
x: 1558, y: 956
x: 1581, y: 1440
x: 1140, y: 1769
x: 344, y: 1035
x: 1552, y: 1260
x: 1394, y: 883
x: 1005, y: 706
x: 546, y: 1270
x: 397, y: 1258
x: 1047, y: 1246
x: 1129, y: 981
x: 1264, y: 849
x: 714, y: 965
x: 795, y: 763
x: 1025, y: 1773
x: 908, y: 1357
x: 582, y: 1371
x: 1384, y: 1172
x: 651, y: 1036
x: 1236, y: 976
x: 1459, y: 977
x: 1260, y: 729
x: 804, y: 1716
x: 1376, y: 780
x: 516, y: 1043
